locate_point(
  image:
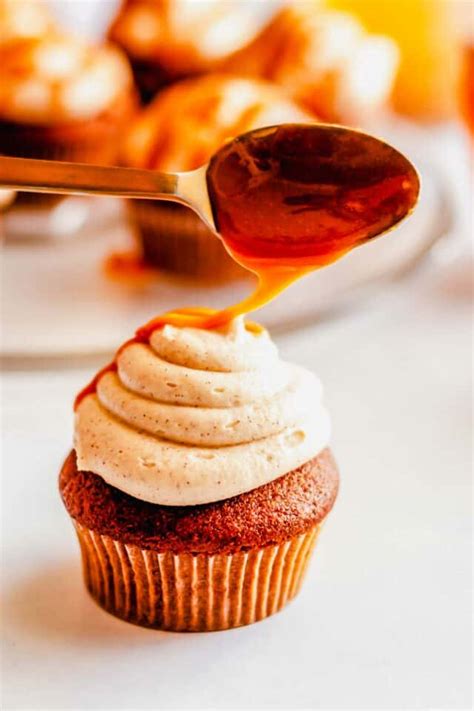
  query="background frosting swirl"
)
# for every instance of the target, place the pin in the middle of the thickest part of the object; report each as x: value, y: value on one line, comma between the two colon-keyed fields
x: 197, y: 416
x: 52, y: 79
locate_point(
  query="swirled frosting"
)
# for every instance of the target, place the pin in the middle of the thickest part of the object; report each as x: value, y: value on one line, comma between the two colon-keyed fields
x: 23, y: 18
x: 196, y: 416
x: 55, y: 78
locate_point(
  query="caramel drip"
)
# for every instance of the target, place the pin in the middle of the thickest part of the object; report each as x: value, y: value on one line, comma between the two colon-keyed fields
x: 291, y: 200
x: 196, y: 317
x: 128, y: 266
x: 270, y: 284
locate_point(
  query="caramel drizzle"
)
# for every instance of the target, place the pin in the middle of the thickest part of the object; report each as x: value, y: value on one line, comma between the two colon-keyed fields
x: 271, y: 282
x: 276, y: 272
x: 195, y: 317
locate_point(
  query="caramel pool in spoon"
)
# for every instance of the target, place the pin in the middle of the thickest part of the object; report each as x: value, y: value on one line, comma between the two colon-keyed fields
x: 293, y: 198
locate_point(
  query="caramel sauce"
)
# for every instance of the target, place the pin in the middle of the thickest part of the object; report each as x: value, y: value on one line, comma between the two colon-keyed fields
x: 292, y: 199
x: 129, y: 267
x: 196, y: 317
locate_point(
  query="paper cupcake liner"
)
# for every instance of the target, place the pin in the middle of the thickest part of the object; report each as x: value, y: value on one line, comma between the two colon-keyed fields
x: 192, y: 593
x: 173, y: 238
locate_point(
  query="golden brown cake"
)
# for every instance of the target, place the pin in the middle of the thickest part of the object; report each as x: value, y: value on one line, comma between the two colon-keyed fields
x: 179, y: 131
x: 324, y: 59
x: 200, y: 478
x: 62, y: 99
x: 161, y: 566
x: 288, y: 507
x: 167, y: 40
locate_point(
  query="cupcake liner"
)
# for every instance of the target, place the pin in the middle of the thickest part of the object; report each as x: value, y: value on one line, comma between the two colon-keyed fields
x: 174, y: 239
x: 192, y: 593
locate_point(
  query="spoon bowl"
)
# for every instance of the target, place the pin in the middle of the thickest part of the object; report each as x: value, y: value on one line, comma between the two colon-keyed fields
x: 266, y: 193
x: 306, y: 194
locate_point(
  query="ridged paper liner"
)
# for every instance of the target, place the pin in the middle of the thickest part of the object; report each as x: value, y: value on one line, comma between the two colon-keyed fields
x: 192, y: 593
x: 175, y: 239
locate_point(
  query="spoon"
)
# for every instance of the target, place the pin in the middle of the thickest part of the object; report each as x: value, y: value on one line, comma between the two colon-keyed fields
x: 60, y: 177
x: 299, y: 194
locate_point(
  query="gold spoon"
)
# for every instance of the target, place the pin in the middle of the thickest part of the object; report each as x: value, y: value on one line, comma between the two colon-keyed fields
x: 48, y: 176
x: 291, y: 192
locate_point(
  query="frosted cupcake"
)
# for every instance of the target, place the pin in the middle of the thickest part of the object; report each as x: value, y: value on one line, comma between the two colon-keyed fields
x: 200, y: 478
x: 168, y: 41
x: 182, y: 128
x: 62, y: 99
x: 324, y: 59
x: 23, y: 19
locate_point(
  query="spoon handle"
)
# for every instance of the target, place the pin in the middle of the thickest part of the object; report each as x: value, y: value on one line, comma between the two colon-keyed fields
x: 48, y: 176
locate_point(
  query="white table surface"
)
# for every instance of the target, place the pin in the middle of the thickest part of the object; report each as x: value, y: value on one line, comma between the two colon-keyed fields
x: 383, y: 619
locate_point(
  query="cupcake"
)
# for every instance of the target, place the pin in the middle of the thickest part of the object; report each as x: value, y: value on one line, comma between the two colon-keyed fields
x: 182, y: 128
x: 200, y: 478
x: 23, y: 19
x: 167, y: 41
x: 63, y: 99
x: 325, y: 60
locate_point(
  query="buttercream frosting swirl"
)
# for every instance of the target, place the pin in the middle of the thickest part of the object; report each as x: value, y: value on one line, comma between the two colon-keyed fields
x: 56, y: 78
x: 196, y: 416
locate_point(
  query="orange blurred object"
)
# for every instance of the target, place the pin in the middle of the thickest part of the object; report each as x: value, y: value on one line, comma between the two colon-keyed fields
x: 467, y: 88
x: 128, y: 267
x: 425, y: 31
x: 326, y: 61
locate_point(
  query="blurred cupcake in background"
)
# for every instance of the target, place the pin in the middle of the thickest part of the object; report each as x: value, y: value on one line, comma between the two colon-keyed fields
x: 325, y: 60
x: 427, y: 33
x: 168, y: 40
x: 182, y: 128
x: 23, y: 19
x: 63, y: 99
x: 200, y: 479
